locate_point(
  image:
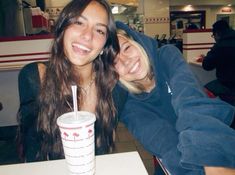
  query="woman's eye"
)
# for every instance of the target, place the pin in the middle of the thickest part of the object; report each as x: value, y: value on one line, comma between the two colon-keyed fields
x: 79, y: 22
x: 127, y: 47
x: 102, y: 32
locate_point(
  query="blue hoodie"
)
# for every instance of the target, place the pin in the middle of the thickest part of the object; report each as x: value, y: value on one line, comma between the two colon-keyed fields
x: 176, y: 121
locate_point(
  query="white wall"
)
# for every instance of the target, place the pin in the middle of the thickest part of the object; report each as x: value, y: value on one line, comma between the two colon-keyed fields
x: 56, y: 3
x: 9, y: 97
x: 157, y: 9
x: 201, y: 2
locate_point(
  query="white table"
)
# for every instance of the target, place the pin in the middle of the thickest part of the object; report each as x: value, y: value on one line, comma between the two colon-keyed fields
x: 128, y: 163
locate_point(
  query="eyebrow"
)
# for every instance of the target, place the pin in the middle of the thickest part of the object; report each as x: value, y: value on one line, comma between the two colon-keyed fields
x: 124, y: 43
x: 98, y: 24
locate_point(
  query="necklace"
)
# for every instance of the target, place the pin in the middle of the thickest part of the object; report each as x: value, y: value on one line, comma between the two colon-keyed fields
x: 86, y: 89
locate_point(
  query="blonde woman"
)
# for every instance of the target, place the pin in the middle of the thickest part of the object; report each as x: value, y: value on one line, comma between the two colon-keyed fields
x: 168, y: 112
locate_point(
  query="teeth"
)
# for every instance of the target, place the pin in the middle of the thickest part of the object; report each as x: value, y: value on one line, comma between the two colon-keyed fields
x: 82, y: 47
x: 134, y: 67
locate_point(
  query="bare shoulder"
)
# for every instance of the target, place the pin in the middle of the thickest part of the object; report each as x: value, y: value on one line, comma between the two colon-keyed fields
x: 41, y: 70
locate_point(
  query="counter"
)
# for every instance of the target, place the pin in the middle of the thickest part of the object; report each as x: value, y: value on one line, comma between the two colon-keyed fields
x: 18, y: 51
x: 196, y: 42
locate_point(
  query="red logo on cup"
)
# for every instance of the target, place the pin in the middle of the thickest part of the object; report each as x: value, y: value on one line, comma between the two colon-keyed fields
x: 75, y: 135
x: 65, y: 134
x: 90, y: 132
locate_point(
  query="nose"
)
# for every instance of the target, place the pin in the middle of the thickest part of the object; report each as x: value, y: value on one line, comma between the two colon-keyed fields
x: 123, y: 59
x: 126, y: 62
x: 87, y: 34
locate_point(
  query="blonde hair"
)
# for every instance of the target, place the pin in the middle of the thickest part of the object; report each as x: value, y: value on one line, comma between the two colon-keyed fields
x: 135, y: 87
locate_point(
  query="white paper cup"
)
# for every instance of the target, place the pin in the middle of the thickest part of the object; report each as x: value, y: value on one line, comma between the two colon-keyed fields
x: 77, y: 136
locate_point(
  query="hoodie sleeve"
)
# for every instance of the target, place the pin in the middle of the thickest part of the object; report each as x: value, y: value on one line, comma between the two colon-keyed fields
x: 155, y: 134
x: 152, y: 131
x: 209, y: 61
x: 204, y: 135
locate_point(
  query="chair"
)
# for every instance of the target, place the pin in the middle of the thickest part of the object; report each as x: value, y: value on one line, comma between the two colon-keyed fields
x: 159, y: 168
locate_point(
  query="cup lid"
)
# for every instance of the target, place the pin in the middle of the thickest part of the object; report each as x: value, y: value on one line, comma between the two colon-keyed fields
x: 70, y: 120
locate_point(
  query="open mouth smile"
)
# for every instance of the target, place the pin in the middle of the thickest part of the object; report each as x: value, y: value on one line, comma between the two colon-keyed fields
x: 80, y: 48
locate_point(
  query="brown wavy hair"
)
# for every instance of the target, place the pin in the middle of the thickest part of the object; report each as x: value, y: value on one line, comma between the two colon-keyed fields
x: 55, y: 96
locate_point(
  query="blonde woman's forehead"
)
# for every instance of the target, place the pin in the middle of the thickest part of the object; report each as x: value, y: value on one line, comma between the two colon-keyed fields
x: 121, y: 37
x: 124, y: 39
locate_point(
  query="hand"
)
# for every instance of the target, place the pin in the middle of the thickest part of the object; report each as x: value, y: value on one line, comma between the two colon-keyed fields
x: 202, y: 55
x: 219, y: 171
x: 200, y: 58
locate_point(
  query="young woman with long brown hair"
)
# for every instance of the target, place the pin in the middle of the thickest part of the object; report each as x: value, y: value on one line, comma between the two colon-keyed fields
x: 82, y: 53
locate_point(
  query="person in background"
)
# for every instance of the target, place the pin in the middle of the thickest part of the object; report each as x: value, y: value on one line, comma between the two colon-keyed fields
x: 191, y: 25
x: 168, y: 111
x: 221, y: 57
x: 83, y: 52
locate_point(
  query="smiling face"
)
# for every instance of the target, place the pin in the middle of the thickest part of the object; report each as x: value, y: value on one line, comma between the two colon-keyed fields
x: 130, y: 63
x: 85, y: 39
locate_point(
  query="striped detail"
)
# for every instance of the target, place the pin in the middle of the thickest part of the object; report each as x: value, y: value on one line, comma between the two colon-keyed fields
x: 71, y: 128
x: 17, y: 61
x: 197, y: 46
x: 73, y: 140
x: 81, y: 156
x: 23, y: 38
x: 19, y: 51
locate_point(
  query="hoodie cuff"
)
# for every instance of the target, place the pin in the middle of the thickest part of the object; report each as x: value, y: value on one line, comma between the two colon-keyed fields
x: 200, y: 157
x: 172, y: 162
x: 199, y: 149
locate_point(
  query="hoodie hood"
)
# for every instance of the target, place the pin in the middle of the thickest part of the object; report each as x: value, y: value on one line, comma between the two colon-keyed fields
x: 228, y: 39
x: 148, y: 43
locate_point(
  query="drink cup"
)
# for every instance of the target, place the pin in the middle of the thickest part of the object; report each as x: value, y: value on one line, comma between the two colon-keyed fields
x: 77, y: 134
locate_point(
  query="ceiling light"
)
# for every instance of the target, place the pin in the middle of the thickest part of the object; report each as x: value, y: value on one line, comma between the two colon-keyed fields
x: 118, y: 9
x: 188, y: 8
x: 115, y: 10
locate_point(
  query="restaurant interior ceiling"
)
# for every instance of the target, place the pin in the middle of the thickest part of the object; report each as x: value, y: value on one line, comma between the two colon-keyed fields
x: 177, y: 2
x: 125, y: 2
x: 130, y: 6
x: 123, y: 6
x: 201, y: 2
